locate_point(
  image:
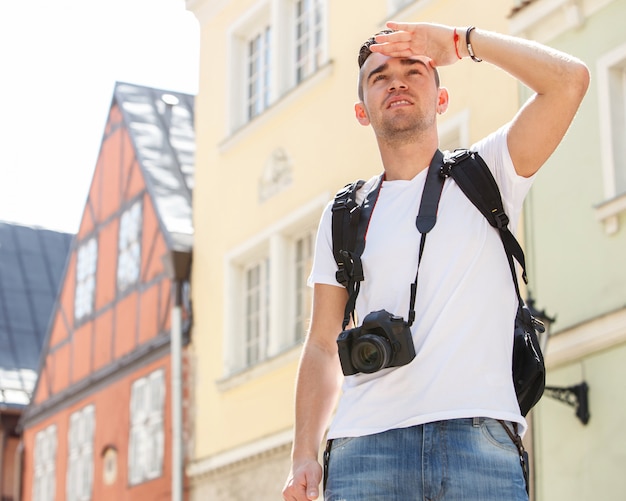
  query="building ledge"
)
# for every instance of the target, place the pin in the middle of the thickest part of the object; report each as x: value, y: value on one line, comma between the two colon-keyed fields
x: 218, y: 463
x: 608, y: 213
x: 544, y: 20
x: 592, y: 336
x: 267, y: 366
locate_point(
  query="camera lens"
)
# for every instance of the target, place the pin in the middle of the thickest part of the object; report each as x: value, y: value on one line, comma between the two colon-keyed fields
x: 370, y: 353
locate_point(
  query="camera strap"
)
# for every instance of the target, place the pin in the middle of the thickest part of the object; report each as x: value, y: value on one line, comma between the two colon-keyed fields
x: 427, y: 216
x: 349, y: 227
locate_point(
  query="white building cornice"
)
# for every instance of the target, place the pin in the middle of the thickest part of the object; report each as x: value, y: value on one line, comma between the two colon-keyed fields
x: 593, y: 336
x: 205, y: 10
x: 544, y: 20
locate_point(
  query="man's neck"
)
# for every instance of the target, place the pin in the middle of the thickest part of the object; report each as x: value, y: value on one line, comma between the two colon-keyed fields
x: 407, y: 160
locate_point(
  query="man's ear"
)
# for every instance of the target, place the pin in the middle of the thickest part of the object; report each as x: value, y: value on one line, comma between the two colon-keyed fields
x: 443, y: 100
x: 361, y: 113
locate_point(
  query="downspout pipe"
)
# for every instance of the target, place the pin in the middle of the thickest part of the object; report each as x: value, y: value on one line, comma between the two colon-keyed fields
x: 18, y: 471
x: 178, y: 264
x: 176, y: 344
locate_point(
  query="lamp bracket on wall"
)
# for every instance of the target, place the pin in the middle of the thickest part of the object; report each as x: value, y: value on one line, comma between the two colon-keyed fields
x: 575, y: 396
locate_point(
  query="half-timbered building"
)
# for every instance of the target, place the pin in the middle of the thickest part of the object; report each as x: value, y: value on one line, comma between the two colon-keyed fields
x: 107, y: 406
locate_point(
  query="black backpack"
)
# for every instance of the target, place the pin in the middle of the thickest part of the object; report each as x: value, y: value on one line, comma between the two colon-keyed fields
x: 469, y: 171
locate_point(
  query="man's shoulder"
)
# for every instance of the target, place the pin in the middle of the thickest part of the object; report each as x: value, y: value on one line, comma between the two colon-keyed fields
x: 494, y: 144
x: 363, y: 187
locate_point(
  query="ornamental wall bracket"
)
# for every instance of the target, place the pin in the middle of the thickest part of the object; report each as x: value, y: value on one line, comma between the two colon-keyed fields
x: 277, y: 175
x: 576, y: 396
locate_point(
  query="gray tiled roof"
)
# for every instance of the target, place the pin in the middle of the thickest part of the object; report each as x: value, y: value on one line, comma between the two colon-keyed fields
x: 32, y: 263
x: 161, y: 126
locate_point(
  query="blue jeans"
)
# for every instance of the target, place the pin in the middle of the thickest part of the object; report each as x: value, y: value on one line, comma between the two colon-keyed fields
x: 457, y: 460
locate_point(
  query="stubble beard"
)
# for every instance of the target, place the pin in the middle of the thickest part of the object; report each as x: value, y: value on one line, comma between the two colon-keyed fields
x: 400, y: 130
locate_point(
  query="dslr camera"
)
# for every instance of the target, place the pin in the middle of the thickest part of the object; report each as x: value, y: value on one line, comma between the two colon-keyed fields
x: 383, y: 340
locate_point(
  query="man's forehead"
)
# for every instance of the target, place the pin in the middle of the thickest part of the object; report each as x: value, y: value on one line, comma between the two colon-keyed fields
x: 376, y: 60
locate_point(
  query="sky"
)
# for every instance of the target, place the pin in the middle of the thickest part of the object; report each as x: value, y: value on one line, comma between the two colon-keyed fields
x: 59, y: 61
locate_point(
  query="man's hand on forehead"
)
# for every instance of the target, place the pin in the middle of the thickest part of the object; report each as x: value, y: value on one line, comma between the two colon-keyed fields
x: 434, y: 41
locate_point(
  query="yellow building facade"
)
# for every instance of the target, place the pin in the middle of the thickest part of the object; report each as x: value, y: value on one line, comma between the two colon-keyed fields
x: 276, y: 138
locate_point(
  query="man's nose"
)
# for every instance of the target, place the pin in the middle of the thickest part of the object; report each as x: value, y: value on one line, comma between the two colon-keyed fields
x: 397, y: 84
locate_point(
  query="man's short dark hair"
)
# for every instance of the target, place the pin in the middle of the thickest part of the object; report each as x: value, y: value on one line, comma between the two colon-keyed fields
x: 365, y: 52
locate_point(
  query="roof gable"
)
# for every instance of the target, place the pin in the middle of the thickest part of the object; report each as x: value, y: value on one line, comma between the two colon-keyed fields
x: 101, y: 328
x: 161, y: 126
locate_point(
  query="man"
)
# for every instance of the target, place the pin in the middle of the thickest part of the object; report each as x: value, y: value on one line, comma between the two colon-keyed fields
x: 429, y: 429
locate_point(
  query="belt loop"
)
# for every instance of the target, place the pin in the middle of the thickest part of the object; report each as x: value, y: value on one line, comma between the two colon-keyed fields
x: 476, y: 422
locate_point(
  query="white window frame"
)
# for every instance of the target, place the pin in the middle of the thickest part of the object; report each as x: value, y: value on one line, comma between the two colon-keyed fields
x: 280, y: 16
x: 258, y: 72
x: 276, y: 244
x: 80, y: 440
x: 86, y: 268
x: 303, y: 252
x: 44, y: 456
x: 255, y: 22
x: 147, y: 436
x: 129, y: 246
x: 309, y: 47
x: 256, y: 311
x: 611, y: 69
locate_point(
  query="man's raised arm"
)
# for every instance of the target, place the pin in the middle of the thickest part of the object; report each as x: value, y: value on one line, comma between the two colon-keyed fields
x: 559, y: 81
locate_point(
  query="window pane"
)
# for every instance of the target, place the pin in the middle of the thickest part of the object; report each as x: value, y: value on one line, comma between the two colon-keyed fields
x: 259, y: 62
x: 85, y: 278
x: 129, y: 247
x: 256, y: 312
x: 308, y: 35
x: 80, y: 454
x: 302, y: 265
x: 44, y: 463
x: 145, y: 448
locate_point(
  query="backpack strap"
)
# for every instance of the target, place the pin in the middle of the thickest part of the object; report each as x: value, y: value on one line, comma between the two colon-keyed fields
x: 349, y: 227
x: 471, y: 174
x: 345, y: 219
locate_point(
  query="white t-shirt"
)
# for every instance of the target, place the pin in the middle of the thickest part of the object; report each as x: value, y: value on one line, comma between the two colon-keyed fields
x: 465, y: 306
